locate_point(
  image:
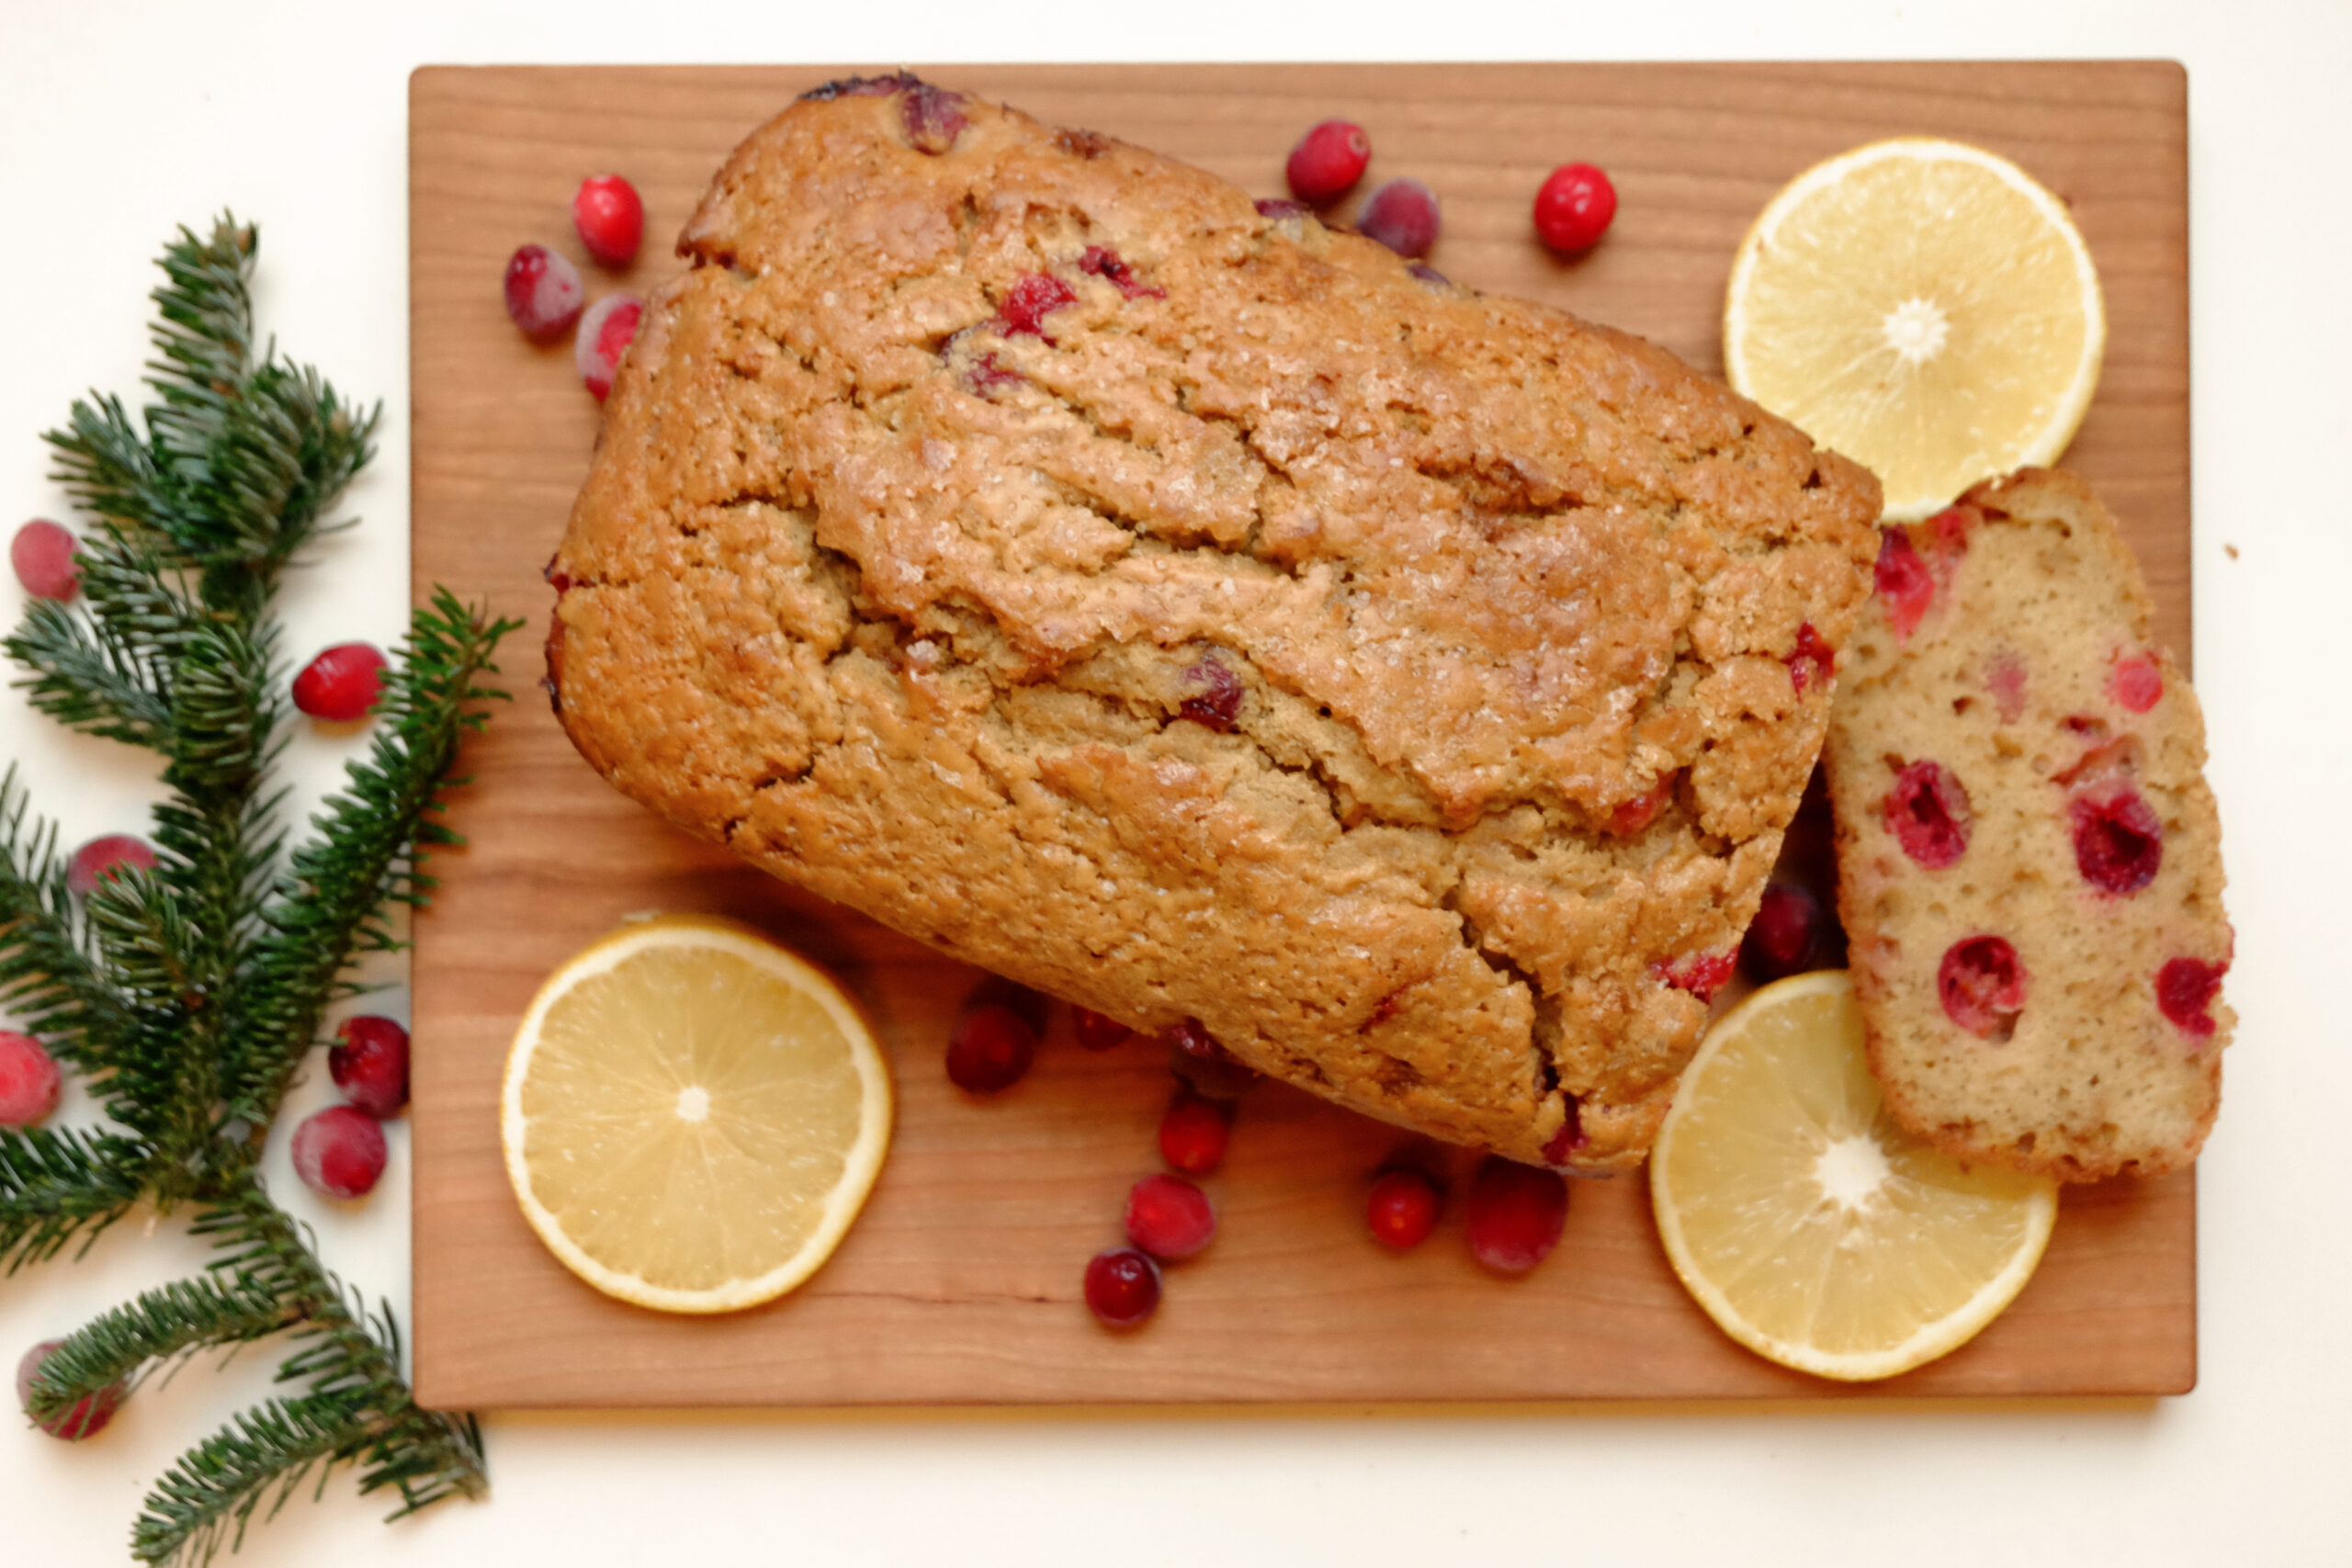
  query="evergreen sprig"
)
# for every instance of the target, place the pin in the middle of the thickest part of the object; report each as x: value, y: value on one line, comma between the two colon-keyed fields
x: 187, y: 996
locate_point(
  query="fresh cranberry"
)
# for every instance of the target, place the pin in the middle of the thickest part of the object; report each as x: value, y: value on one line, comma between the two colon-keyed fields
x: 339, y: 1152
x: 1401, y: 215
x: 1982, y: 984
x: 2004, y: 678
x: 1328, y: 162
x: 2137, y: 683
x: 2119, y: 843
x: 1904, y: 581
x: 1927, y: 813
x: 1278, y: 209
x: 1786, y: 933
x: 1701, y: 973
x: 1096, y: 261
x: 86, y: 1415
x: 1217, y: 695
x: 1122, y: 1287
x: 369, y: 1063
x: 1571, y: 1135
x: 42, y: 553
x: 1190, y: 1038
x: 1033, y: 298
x: 1401, y: 1209
x: 543, y: 293
x: 1097, y: 1032
x: 605, y: 333
x: 996, y: 990
x: 2185, y: 990
x: 1811, y: 660
x: 1169, y: 1217
x: 100, y: 858
x: 610, y: 218
x: 342, y: 682
x: 1631, y: 817
x: 933, y: 117
x: 990, y: 1050
x: 1193, y: 1133
x: 1515, y: 1214
x: 29, y: 1081
x: 1574, y: 208
x: 1219, y: 1074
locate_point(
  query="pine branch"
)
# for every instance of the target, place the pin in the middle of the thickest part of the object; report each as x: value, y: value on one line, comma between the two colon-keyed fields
x: 214, y: 1490
x: 47, y: 980
x: 57, y: 1185
x: 128, y: 1343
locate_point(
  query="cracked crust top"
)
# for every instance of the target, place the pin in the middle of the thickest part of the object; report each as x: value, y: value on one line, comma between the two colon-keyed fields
x: 1196, y: 613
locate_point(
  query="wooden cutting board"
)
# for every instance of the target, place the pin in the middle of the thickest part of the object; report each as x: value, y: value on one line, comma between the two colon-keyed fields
x: 960, y: 1283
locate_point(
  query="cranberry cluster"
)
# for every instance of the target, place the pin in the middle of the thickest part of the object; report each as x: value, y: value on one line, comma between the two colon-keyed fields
x: 545, y: 295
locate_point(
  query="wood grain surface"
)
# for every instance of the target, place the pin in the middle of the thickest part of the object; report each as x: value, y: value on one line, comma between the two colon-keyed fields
x: 960, y: 1283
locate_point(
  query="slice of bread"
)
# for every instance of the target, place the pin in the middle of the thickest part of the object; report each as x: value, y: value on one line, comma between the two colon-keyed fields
x: 2030, y: 862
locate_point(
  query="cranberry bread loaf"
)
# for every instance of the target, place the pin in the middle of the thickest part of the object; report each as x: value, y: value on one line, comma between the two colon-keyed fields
x: 1198, y: 614
x: 2030, y: 862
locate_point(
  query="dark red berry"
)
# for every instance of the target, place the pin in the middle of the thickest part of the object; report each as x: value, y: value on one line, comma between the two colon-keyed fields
x: 990, y: 1050
x: 1193, y: 1133
x: 1982, y: 984
x: 342, y: 682
x: 610, y: 218
x: 1401, y: 1209
x: 605, y: 333
x: 1927, y: 813
x: 42, y: 554
x: 1098, y: 262
x: 1571, y: 1135
x: 1216, y: 694
x: 339, y: 1152
x: 1574, y: 208
x: 1904, y: 581
x: 1811, y: 660
x: 2119, y: 843
x: 1169, y: 1217
x: 1401, y: 215
x: 2004, y: 678
x: 1033, y: 298
x: 1329, y: 161
x: 1098, y: 1032
x: 1701, y: 973
x: 2185, y: 990
x: 1122, y: 1287
x: 84, y: 1416
x: 102, y: 857
x: 2137, y: 683
x: 369, y: 1063
x: 1515, y: 1214
x: 1190, y: 1038
x: 933, y: 117
x: 1785, y: 934
x: 998, y: 992
x: 543, y: 293
x: 1278, y: 209
x: 29, y: 1081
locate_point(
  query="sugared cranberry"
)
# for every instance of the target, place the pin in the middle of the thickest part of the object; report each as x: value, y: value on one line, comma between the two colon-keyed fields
x: 1096, y: 261
x: 1401, y: 1209
x: 1515, y: 1214
x: 2119, y: 843
x: 1982, y: 985
x: 29, y: 1081
x: 1193, y: 1133
x: 1564, y: 1143
x: 1215, y: 696
x: 1328, y: 162
x: 42, y: 554
x: 610, y: 218
x: 605, y: 333
x: 2004, y: 678
x: 342, y: 682
x: 933, y: 117
x: 1169, y: 1217
x: 1785, y: 934
x: 990, y: 1050
x: 1098, y: 1032
x: 1810, y: 661
x: 1904, y: 581
x: 1927, y: 813
x: 1701, y: 973
x: 1030, y: 301
x: 102, y: 857
x: 1574, y: 208
x: 1122, y: 1287
x: 1401, y: 215
x: 1274, y: 208
x: 339, y: 1152
x: 84, y: 1416
x: 2137, y: 683
x: 543, y: 292
x: 1631, y: 817
x: 369, y: 1063
x: 2184, y: 991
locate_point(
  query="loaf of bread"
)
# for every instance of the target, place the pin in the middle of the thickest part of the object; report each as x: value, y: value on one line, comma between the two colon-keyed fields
x: 1198, y: 614
x: 2030, y: 862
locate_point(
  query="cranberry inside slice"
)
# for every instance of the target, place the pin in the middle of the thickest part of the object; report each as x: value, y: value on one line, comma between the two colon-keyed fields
x: 1216, y: 695
x: 1904, y: 581
x: 2119, y: 843
x: 2137, y: 684
x: 1927, y: 813
x: 1812, y: 660
x: 2184, y: 991
x: 1569, y: 1138
x: 1982, y: 985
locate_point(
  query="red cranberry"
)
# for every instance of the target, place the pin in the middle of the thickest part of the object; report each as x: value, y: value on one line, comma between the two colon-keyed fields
x: 100, y: 858
x: 1190, y: 1038
x: 605, y: 333
x: 1328, y: 162
x: 1812, y: 660
x: 1904, y: 581
x: 2184, y: 991
x: 2004, y: 678
x: 86, y: 1415
x: 1401, y: 1209
x: 341, y: 683
x: 1701, y: 973
x: 2137, y: 684
x: 1401, y: 215
x: 933, y: 117
x: 2119, y: 843
x: 1574, y: 208
x: 1276, y: 208
x: 1193, y: 1133
x: 998, y: 992
x: 1169, y: 1217
x: 610, y: 218
x: 1785, y: 934
x: 990, y: 1050
x: 1570, y: 1137
x: 339, y: 1152
x: 1631, y: 817
x: 1098, y: 1032
x: 1982, y: 984
x: 1122, y: 1287
x: 29, y: 1081
x: 1098, y: 262
x: 369, y: 1063
x: 543, y: 293
x: 1948, y: 535
x: 1217, y: 695
x: 1032, y: 298
x: 42, y: 553
x: 1515, y: 1214
x: 1927, y: 813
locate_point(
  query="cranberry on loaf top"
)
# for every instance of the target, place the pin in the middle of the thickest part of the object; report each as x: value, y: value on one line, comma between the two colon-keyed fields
x: 1189, y: 610
x: 2030, y: 862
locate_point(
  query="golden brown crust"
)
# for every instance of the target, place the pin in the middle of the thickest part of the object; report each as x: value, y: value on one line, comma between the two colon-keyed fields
x: 1393, y: 678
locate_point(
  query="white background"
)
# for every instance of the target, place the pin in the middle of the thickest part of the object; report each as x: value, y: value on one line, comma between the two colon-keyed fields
x: 117, y: 122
